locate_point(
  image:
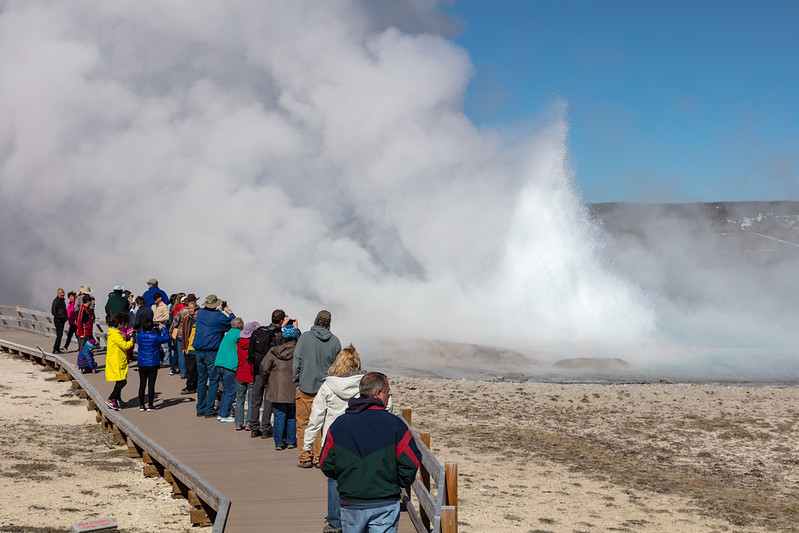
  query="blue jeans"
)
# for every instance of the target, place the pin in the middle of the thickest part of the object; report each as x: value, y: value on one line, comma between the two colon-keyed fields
x: 174, y: 349
x: 181, y: 357
x: 165, y: 348
x: 333, y: 504
x: 228, y: 379
x: 207, y: 381
x: 243, y: 390
x: 377, y: 520
x: 285, y: 423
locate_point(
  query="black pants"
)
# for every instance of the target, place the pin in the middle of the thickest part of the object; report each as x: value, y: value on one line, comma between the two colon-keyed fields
x: 147, y: 375
x: 73, y: 330
x: 191, y: 371
x: 116, y: 394
x: 259, y: 392
x: 59, y: 332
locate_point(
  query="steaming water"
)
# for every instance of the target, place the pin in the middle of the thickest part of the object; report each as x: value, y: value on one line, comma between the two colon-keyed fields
x: 302, y: 155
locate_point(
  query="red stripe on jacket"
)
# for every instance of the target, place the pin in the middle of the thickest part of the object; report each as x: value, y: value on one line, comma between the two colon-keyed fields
x: 404, y: 447
x: 326, y: 449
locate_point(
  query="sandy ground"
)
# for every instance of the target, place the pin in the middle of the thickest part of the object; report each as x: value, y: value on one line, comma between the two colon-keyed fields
x: 58, y: 467
x: 642, y: 457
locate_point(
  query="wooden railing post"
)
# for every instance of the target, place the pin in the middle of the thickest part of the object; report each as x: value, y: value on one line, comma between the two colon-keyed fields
x: 407, y: 414
x: 449, y: 519
x: 451, y: 477
x: 425, y: 475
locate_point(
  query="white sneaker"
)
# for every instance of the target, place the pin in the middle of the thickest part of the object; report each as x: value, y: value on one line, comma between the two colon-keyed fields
x: 227, y: 419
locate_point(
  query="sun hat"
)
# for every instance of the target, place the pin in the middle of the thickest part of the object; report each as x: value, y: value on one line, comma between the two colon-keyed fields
x: 119, y: 288
x: 248, y: 329
x: 212, y: 302
x: 289, y: 332
x: 190, y: 298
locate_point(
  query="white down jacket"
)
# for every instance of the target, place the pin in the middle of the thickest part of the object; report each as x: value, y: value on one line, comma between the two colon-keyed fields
x: 330, y: 403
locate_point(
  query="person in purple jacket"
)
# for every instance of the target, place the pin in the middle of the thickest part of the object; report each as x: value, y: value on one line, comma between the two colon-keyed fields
x: 149, y: 360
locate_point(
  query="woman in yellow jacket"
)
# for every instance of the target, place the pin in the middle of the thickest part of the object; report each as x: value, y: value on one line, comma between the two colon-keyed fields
x: 116, y: 358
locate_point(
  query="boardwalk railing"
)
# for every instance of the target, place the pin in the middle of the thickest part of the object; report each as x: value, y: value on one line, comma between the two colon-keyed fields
x: 42, y: 323
x: 432, y: 513
x: 210, y: 505
x: 438, y: 513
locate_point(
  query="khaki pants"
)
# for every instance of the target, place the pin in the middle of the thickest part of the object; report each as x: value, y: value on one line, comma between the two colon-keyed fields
x: 304, y: 403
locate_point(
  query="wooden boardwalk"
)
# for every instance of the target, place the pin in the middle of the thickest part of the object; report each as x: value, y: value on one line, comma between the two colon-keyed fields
x: 266, y: 489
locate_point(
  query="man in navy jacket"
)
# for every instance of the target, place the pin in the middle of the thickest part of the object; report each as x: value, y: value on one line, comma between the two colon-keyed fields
x: 210, y: 326
x: 372, y: 455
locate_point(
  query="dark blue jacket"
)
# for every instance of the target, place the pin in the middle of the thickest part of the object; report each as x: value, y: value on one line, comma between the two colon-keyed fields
x: 149, y: 294
x: 141, y: 314
x: 370, y: 452
x: 149, y: 342
x: 211, y: 325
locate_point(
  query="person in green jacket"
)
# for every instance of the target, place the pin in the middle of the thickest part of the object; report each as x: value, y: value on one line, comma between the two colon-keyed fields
x: 226, y: 362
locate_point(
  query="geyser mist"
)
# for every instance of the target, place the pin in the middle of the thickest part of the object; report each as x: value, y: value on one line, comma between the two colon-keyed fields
x: 301, y: 155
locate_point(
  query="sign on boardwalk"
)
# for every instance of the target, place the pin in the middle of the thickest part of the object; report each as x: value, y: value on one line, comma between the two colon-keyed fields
x: 103, y: 524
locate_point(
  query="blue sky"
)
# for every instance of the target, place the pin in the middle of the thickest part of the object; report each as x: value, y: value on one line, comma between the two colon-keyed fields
x: 667, y: 101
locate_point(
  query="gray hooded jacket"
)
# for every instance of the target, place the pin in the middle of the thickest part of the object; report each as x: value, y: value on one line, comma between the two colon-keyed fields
x: 315, y: 352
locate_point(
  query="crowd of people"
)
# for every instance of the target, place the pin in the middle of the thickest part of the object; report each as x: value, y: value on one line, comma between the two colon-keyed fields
x: 297, y: 388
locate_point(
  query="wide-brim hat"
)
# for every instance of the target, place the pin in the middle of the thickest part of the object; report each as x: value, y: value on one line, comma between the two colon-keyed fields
x: 248, y: 329
x: 212, y: 301
x: 119, y: 288
x: 190, y: 298
x: 85, y: 289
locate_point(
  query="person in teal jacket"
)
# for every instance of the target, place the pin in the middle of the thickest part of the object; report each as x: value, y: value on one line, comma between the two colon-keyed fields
x: 226, y: 362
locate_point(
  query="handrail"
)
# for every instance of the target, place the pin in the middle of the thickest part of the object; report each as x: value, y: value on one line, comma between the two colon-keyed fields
x: 41, y: 322
x: 187, y: 476
x: 439, y: 514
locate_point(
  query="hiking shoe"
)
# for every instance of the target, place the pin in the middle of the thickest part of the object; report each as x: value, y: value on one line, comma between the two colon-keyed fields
x: 211, y: 415
x: 291, y: 446
x: 280, y: 448
x: 110, y: 403
x: 255, y: 433
x: 331, y: 529
x: 227, y: 419
x: 305, y: 464
x: 152, y: 408
x: 172, y: 373
x: 267, y: 433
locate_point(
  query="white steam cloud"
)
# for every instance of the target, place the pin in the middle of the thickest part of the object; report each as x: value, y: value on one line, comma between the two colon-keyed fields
x: 302, y: 155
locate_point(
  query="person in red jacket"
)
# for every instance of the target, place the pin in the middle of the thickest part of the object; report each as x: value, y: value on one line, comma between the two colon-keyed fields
x: 72, y: 317
x: 85, y: 321
x: 244, y: 377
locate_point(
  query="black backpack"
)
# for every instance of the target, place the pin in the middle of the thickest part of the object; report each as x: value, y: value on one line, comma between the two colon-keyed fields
x: 261, y: 341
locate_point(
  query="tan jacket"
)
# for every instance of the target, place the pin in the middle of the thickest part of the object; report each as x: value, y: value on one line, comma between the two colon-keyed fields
x: 160, y: 313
